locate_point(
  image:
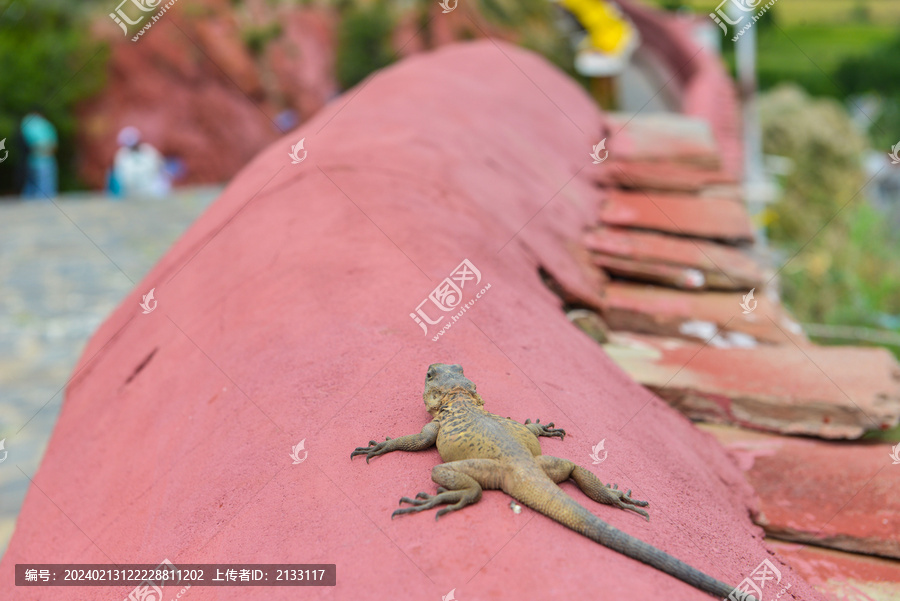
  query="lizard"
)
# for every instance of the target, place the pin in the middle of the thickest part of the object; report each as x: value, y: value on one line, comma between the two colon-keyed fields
x: 482, y: 450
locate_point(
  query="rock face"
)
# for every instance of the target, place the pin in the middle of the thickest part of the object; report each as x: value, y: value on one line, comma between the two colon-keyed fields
x: 843, y: 576
x: 192, y: 86
x: 712, y: 218
x: 673, y: 261
x: 778, y: 388
x: 804, y: 498
x: 284, y: 316
x: 686, y: 299
x: 668, y: 312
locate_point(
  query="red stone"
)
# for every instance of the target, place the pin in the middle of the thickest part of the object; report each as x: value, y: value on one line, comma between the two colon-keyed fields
x: 662, y: 137
x: 283, y: 316
x: 665, y: 176
x: 704, y: 87
x: 824, y: 493
x: 696, y: 316
x: 830, y: 392
x: 701, y: 263
x: 685, y: 215
x: 842, y: 576
x: 194, y: 90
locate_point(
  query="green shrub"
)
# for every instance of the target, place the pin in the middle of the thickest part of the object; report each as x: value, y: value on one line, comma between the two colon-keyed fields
x: 877, y: 72
x: 257, y: 38
x: 364, y: 42
x: 839, y: 254
x: 48, y: 61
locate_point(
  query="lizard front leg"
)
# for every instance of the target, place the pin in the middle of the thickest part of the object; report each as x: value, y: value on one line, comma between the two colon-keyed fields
x: 412, y: 442
x: 560, y: 470
x: 459, y: 484
x: 539, y: 429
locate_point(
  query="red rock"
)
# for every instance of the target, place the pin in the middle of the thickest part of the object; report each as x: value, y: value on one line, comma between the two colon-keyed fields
x: 302, y: 59
x: 825, y: 493
x: 701, y: 264
x: 221, y: 43
x: 283, y: 316
x: 704, y: 87
x: 662, y: 137
x: 665, y: 176
x: 830, y: 392
x: 697, y: 316
x: 194, y: 90
x: 843, y: 576
x: 685, y: 215
x: 658, y: 273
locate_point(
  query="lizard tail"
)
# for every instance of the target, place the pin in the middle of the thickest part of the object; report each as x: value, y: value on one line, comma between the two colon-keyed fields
x: 544, y: 496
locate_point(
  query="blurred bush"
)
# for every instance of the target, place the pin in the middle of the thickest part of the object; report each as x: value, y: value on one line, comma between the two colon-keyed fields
x: 364, y: 41
x: 49, y: 61
x: 257, y: 38
x: 877, y: 73
x: 536, y: 25
x: 366, y: 31
x: 843, y: 269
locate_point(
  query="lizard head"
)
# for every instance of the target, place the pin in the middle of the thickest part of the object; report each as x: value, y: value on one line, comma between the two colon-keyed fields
x: 441, y: 381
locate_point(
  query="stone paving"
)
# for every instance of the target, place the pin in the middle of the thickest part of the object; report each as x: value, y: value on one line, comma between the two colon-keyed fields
x: 64, y: 268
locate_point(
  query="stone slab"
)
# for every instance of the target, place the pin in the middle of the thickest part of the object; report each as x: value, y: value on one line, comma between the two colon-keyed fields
x: 829, y: 392
x: 673, y: 260
x: 709, y: 217
x: 839, y: 495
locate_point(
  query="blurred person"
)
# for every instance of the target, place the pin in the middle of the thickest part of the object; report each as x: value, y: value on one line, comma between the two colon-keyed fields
x: 39, y: 137
x: 138, y: 168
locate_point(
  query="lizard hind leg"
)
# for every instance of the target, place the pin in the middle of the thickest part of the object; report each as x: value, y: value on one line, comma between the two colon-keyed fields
x: 560, y: 470
x: 459, y: 484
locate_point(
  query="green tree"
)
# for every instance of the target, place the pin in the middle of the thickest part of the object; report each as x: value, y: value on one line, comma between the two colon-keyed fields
x: 50, y: 62
x: 364, y: 42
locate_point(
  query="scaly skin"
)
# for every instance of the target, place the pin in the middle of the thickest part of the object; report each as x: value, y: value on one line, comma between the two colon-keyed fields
x: 485, y: 451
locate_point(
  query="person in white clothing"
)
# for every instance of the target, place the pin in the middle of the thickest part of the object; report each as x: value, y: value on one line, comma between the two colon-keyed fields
x: 138, y: 169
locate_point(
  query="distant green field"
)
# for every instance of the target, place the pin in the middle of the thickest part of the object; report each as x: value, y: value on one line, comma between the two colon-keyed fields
x: 809, y: 54
x: 814, y: 11
x: 804, y: 41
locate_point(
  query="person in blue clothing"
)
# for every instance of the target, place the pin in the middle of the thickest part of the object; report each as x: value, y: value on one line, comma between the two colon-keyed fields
x: 39, y: 136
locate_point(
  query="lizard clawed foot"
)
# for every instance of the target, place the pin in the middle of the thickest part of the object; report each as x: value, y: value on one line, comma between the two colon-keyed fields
x: 547, y: 429
x: 373, y: 450
x: 423, y: 501
x: 623, y: 500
